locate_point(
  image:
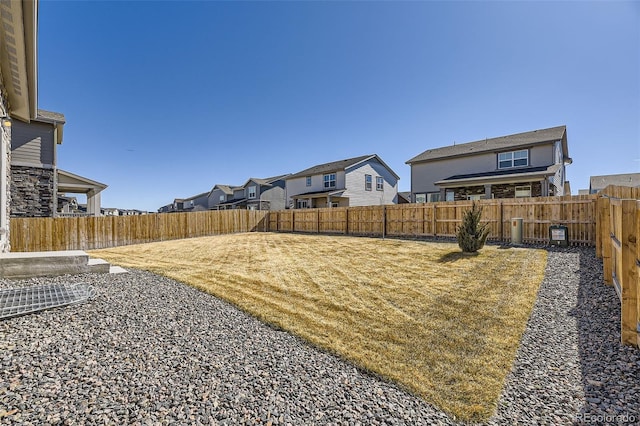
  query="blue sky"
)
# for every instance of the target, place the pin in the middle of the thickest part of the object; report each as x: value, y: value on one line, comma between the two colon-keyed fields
x: 165, y: 99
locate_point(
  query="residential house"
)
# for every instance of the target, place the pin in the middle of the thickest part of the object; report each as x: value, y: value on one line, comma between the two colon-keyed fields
x: 598, y: 183
x: 359, y: 181
x: 218, y: 195
x: 265, y: 194
x: 197, y: 203
x: 236, y: 200
x: 18, y: 89
x: 530, y: 164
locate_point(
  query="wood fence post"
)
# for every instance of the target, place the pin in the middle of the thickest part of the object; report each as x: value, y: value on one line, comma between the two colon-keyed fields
x: 384, y: 221
x: 346, y: 221
x: 599, y: 215
x: 293, y: 221
x: 629, y: 275
x: 434, y: 221
x: 318, y: 221
x: 501, y: 219
x: 637, y: 275
x: 605, y: 231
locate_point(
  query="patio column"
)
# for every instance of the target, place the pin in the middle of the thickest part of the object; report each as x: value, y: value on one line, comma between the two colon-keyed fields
x: 93, y: 203
x: 487, y: 191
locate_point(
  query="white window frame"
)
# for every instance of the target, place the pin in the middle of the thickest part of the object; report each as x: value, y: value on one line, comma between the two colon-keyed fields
x: 450, y: 195
x: 421, y: 198
x: 525, y: 191
x: 308, y: 180
x: 302, y: 204
x: 368, y: 182
x: 508, y: 160
x: 475, y: 197
x: 329, y: 180
x: 334, y: 204
x: 379, y: 183
x: 252, y: 192
x: 221, y: 199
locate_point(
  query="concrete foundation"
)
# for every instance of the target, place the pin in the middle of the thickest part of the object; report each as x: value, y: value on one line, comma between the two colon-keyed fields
x: 49, y: 263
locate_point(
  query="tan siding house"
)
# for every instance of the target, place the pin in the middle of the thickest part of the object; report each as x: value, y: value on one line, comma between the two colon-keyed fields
x: 358, y: 181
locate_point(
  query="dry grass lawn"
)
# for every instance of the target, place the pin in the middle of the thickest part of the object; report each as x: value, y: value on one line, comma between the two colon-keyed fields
x: 443, y: 325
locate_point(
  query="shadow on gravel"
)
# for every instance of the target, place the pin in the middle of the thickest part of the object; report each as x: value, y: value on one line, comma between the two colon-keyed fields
x: 610, y: 371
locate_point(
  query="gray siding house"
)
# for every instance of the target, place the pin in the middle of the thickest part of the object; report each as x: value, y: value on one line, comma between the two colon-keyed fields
x: 265, y: 194
x: 196, y: 203
x: 36, y: 182
x: 358, y: 181
x: 219, y: 194
x: 530, y: 164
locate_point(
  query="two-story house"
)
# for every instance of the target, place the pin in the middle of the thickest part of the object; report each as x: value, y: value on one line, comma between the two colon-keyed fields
x: 218, y: 195
x: 598, y: 183
x: 36, y: 181
x: 196, y: 203
x: 359, y: 181
x: 265, y: 194
x: 530, y: 164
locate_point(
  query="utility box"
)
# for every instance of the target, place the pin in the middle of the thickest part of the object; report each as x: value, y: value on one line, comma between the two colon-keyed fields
x: 558, y: 236
x: 516, y: 230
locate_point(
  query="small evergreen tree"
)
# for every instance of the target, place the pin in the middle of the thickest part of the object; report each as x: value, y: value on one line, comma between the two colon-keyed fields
x: 471, y: 235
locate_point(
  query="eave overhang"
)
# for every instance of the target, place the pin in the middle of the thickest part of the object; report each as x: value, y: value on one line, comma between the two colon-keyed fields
x: 18, y: 57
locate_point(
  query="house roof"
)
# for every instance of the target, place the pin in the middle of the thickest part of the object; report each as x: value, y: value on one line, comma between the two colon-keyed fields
x: 312, y: 194
x: 234, y: 201
x: 501, y: 175
x: 598, y: 183
x: 501, y: 143
x: 339, y: 165
x: 265, y: 181
x: 50, y: 116
x: 19, y: 64
x: 406, y: 195
x: 69, y: 182
x: 204, y: 194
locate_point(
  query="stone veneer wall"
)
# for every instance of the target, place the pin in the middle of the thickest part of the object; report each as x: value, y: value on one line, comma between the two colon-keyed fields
x: 498, y: 191
x: 32, y: 192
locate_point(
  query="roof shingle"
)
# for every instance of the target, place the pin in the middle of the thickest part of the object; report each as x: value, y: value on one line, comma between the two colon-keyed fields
x: 494, y: 144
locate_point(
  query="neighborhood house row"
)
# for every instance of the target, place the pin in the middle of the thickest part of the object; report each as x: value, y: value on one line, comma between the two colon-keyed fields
x: 530, y: 164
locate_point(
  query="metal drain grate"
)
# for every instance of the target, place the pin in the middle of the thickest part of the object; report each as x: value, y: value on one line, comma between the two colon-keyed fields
x: 26, y: 300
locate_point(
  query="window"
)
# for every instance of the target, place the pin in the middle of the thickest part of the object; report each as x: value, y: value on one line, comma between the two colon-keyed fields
x: 433, y: 197
x: 523, y: 191
x: 329, y: 180
x: 334, y: 204
x: 421, y: 198
x: 513, y: 159
x: 379, y: 183
x: 251, y: 192
x: 475, y: 197
x: 367, y: 182
x: 308, y: 180
x: 222, y: 198
x: 301, y: 204
x: 450, y: 196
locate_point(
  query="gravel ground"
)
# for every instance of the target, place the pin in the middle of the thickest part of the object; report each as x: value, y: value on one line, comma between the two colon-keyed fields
x: 147, y: 350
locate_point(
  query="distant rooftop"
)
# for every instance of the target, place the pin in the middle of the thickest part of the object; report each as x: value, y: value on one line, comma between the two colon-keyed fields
x: 598, y: 183
x: 494, y: 144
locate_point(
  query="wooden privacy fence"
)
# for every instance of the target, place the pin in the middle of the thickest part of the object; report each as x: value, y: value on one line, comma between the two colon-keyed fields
x: 618, y: 230
x: 577, y: 213
x: 87, y: 233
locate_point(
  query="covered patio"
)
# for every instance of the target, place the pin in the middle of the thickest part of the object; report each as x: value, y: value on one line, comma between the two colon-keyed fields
x: 72, y: 183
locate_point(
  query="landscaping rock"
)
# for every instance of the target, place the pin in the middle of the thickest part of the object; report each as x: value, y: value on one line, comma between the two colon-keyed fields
x: 148, y: 350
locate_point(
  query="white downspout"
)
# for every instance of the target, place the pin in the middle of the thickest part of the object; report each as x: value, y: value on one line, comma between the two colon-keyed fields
x: 5, y: 151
